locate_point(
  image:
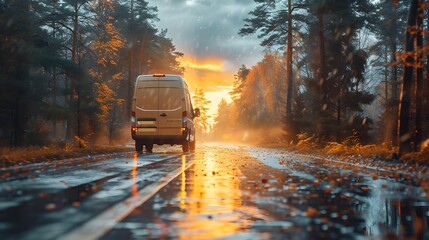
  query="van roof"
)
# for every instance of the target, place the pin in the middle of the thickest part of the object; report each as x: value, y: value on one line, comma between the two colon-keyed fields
x: 159, y: 76
x: 162, y: 76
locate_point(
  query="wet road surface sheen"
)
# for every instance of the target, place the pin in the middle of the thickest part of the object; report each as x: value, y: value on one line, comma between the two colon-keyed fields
x: 47, y: 204
x: 246, y: 193
x: 219, y: 192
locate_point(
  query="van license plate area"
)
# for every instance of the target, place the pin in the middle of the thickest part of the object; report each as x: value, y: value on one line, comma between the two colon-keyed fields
x: 146, y: 122
x: 146, y: 130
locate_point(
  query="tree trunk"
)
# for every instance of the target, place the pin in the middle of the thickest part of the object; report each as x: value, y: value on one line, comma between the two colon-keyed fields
x: 130, y: 63
x: 404, y: 133
x: 322, y: 68
x: 388, y: 136
x: 426, y: 91
x: 394, y: 102
x: 419, y: 80
x: 72, y: 104
x: 289, y: 64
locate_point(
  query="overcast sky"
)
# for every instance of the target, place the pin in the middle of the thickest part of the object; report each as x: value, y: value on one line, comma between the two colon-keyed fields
x: 207, y: 30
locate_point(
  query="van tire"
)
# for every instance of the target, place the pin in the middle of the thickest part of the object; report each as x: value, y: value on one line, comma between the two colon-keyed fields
x: 185, y: 145
x: 139, y: 146
x: 192, y: 145
x: 149, y: 148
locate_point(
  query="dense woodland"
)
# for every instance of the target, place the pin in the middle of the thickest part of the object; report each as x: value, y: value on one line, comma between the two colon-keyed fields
x: 68, y: 68
x: 354, y: 71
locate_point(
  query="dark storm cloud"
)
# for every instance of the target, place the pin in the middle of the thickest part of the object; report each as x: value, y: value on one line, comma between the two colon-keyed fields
x: 207, y: 29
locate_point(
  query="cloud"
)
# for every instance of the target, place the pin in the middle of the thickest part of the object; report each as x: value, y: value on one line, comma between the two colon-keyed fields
x: 201, y: 66
x: 206, y: 30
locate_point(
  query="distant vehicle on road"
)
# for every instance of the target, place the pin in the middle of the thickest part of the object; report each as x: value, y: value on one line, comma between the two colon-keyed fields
x: 162, y: 112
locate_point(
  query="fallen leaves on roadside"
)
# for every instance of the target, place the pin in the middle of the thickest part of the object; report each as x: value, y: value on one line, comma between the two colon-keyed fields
x: 43, y: 195
x: 311, y: 212
x: 136, y: 211
x: 50, y: 206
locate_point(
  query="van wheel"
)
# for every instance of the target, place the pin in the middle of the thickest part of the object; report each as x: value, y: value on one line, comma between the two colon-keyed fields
x: 185, y: 145
x: 149, y: 148
x: 192, y: 145
x: 139, y: 146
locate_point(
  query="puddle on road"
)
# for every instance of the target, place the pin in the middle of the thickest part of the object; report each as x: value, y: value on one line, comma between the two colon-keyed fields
x: 395, y: 210
x: 355, y: 201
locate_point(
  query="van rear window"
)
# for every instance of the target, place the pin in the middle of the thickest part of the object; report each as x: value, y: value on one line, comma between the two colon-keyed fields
x: 170, y: 98
x: 147, y: 95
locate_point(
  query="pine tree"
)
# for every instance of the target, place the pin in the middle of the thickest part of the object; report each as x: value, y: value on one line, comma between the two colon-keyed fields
x: 223, y: 121
x: 391, y: 25
x: 273, y: 20
x: 202, y: 124
x: 29, y: 53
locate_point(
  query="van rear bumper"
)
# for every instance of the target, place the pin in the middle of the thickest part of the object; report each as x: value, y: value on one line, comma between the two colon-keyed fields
x: 175, y: 139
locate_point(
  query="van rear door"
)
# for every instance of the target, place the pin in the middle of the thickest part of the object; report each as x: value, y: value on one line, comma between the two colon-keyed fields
x: 147, y: 105
x: 170, y: 107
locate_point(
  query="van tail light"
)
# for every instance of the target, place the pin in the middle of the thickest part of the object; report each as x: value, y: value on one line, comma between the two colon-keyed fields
x: 184, y: 120
x: 159, y: 75
x: 133, y: 122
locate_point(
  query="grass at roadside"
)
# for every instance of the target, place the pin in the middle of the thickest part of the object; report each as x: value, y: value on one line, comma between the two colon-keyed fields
x: 27, y: 155
x: 350, y: 152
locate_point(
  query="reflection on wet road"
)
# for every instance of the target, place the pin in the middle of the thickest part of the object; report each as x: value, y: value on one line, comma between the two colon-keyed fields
x: 219, y: 192
x: 50, y: 203
x: 248, y: 193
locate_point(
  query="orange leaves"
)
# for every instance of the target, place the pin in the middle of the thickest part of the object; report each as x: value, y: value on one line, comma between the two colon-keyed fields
x: 312, y: 212
x: 344, y: 197
x: 43, y: 195
x: 316, y: 182
x: 328, y: 190
x: 136, y: 211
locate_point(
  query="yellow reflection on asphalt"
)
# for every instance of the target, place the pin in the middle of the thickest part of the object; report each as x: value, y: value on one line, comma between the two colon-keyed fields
x: 208, y: 209
x: 134, y: 190
x: 182, y: 193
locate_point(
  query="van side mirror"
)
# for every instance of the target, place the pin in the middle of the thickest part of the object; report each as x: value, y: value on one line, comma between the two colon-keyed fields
x: 197, y: 112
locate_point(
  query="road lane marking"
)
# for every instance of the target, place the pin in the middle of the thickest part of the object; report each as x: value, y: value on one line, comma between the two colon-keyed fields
x: 105, y: 221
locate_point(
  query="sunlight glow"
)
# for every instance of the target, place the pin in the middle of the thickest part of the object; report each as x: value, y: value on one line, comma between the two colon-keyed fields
x: 211, y: 76
x: 215, y: 97
x: 217, y: 67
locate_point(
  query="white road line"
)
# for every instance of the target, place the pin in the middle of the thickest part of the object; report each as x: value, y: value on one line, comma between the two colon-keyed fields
x: 105, y: 221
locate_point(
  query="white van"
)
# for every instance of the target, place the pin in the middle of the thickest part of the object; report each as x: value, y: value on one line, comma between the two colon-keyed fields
x: 162, y: 112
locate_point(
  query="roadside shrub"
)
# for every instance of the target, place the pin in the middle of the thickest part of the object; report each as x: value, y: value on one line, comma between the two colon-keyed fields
x: 336, y: 148
x: 308, y: 143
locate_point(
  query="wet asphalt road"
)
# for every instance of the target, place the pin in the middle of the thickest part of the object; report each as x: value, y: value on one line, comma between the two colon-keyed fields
x: 219, y: 192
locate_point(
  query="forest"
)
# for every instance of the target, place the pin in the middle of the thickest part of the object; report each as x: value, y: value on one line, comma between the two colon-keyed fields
x: 354, y: 72
x: 68, y: 68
